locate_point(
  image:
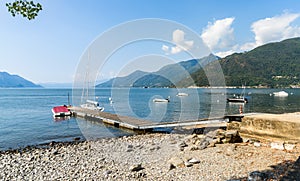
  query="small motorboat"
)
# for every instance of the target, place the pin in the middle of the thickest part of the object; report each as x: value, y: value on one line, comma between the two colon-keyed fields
x: 162, y: 100
x: 181, y: 94
x: 237, y: 100
x: 93, y: 105
x: 61, y: 111
x: 281, y: 94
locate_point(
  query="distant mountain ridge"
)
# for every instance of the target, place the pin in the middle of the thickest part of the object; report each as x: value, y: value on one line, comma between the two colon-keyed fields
x: 167, y: 76
x: 14, y: 81
x: 270, y: 65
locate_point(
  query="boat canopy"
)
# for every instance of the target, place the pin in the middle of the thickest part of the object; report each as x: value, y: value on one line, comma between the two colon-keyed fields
x: 59, y: 109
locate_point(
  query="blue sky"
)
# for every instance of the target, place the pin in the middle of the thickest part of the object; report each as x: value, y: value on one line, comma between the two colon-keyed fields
x: 49, y: 48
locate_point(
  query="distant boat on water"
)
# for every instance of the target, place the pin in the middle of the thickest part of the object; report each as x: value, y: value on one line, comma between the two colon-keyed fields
x: 238, y: 99
x: 182, y: 94
x: 281, y: 94
x: 162, y: 100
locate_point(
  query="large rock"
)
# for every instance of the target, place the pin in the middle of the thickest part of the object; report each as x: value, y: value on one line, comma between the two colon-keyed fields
x: 176, y: 162
x: 289, y: 147
x: 218, y: 136
x: 232, y: 136
x: 136, y: 168
x: 277, y: 145
x: 194, y: 161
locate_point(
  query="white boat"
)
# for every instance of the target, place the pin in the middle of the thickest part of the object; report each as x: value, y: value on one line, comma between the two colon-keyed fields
x: 93, y: 105
x: 110, y: 100
x: 182, y: 94
x: 161, y: 100
x: 280, y: 94
x: 239, y: 98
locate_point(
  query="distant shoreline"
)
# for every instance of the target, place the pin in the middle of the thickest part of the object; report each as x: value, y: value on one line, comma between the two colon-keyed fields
x: 191, y: 87
x: 203, y: 87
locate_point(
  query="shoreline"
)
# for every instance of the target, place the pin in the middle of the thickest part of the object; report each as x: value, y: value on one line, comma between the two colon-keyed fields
x: 286, y: 116
x: 147, y: 157
x: 215, y: 154
x: 204, y: 87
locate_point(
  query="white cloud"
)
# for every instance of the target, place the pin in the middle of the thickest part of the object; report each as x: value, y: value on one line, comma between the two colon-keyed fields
x: 178, y: 36
x: 273, y: 29
x: 247, y: 46
x: 180, y: 43
x: 178, y: 39
x: 175, y: 50
x: 224, y: 54
x: 165, y: 48
x: 219, y: 34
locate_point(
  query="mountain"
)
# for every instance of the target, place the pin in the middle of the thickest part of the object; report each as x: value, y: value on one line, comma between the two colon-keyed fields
x: 123, y: 81
x: 14, y: 81
x: 271, y: 65
x: 167, y: 76
x: 153, y: 80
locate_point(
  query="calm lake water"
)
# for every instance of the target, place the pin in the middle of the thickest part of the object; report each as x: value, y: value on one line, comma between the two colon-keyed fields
x: 26, y: 117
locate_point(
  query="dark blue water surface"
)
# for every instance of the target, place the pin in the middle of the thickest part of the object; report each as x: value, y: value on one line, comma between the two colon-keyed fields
x: 26, y: 117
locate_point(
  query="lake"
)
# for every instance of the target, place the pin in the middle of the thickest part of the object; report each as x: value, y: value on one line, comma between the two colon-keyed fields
x: 26, y: 117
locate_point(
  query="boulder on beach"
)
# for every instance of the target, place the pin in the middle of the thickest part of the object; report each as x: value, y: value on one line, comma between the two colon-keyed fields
x: 218, y: 136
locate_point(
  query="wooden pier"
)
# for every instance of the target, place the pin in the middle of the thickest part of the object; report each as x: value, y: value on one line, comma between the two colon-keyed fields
x: 145, y: 125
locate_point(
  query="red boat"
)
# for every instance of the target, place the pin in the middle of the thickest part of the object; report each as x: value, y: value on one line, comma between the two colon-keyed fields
x: 61, y: 111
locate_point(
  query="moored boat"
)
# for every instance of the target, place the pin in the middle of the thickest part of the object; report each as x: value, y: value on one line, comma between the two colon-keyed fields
x: 161, y: 100
x: 61, y: 111
x: 182, y: 94
x: 93, y: 105
x: 238, y: 100
x: 281, y: 94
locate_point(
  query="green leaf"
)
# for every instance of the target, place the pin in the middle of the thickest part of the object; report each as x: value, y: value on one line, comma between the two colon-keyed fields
x: 27, y: 9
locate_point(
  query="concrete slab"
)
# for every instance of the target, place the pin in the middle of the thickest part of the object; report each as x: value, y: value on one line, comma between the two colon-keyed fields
x: 283, y: 127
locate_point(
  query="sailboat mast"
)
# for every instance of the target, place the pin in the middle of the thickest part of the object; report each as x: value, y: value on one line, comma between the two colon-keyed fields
x: 85, y: 91
x: 68, y: 99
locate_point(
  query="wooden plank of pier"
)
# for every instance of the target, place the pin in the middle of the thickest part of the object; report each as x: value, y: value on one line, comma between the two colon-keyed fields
x: 113, y: 119
x: 140, y: 124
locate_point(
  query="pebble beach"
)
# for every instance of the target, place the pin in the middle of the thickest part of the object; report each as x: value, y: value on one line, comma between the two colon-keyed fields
x: 154, y: 156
